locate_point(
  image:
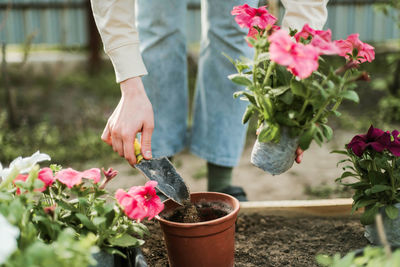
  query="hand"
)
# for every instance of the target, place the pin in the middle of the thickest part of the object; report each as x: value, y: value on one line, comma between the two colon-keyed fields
x: 133, y: 114
x: 299, y: 151
x: 299, y: 155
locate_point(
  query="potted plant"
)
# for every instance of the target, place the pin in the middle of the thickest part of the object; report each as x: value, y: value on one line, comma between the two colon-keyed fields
x: 290, y: 88
x: 373, y: 165
x: 201, y: 234
x: 78, y: 200
x: 22, y: 243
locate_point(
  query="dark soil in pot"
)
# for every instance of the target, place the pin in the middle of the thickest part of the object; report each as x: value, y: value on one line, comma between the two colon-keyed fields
x: 199, y: 212
x: 277, y: 241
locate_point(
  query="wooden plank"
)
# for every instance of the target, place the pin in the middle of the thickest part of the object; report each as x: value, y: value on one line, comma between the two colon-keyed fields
x: 340, y: 207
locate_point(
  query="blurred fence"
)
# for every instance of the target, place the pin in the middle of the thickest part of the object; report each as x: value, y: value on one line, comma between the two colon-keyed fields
x: 65, y: 22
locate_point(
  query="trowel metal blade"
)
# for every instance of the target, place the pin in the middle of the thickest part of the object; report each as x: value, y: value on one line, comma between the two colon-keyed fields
x: 170, y: 183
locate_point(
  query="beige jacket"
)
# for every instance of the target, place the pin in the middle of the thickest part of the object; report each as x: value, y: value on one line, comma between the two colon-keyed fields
x: 121, y: 41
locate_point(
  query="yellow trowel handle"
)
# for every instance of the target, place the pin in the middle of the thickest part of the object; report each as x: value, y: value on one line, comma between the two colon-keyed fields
x: 138, y: 153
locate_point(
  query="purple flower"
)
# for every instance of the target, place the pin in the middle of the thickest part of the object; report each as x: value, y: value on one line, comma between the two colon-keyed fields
x: 394, y: 145
x: 375, y: 138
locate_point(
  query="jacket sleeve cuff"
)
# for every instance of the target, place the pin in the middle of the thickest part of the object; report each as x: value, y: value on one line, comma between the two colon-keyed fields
x: 300, y: 12
x: 127, y: 62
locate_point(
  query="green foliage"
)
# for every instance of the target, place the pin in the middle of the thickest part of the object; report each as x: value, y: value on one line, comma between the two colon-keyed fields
x: 371, y: 257
x: 67, y: 144
x: 64, y: 250
x: 279, y: 99
x: 63, y: 225
x: 375, y: 179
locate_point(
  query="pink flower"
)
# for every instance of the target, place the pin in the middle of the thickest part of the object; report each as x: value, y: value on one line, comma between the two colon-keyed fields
x: 350, y: 46
x: 45, y: 175
x: 93, y: 174
x: 247, y: 16
x: 71, y: 177
x: 322, y: 40
x: 140, y: 201
x: 132, y: 208
x: 110, y: 173
x: 253, y: 33
x: 147, y: 196
x: 300, y: 59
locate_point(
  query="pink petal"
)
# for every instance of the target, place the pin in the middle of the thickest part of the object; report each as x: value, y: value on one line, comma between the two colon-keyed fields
x: 69, y: 177
x: 93, y: 174
x: 46, y: 176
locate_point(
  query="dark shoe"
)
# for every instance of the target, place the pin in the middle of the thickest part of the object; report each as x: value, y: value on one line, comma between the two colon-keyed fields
x: 235, y: 191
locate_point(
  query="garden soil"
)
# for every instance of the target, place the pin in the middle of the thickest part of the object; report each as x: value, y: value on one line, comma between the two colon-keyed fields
x: 276, y: 241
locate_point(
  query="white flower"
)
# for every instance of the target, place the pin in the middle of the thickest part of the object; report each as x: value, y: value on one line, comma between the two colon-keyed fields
x: 22, y: 165
x: 9, y: 234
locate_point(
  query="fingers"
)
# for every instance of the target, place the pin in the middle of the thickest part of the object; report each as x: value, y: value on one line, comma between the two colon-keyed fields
x: 117, y: 144
x: 146, y: 140
x: 299, y: 153
x: 106, y: 135
x: 129, y: 150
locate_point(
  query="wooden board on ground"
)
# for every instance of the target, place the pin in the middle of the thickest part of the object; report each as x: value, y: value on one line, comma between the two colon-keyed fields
x: 339, y: 207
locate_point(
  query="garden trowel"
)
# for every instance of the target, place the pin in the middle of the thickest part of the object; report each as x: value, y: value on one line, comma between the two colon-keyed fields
x: 161, y: 170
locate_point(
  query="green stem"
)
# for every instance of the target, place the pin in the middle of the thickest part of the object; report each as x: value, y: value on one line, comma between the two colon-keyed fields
x: 303, y: 108
x: 319, y: 113
x: 337, y: 104
x: 267, y: 78
x: 255, y: 67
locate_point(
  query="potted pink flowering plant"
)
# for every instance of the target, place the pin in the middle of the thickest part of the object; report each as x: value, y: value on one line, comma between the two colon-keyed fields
x: 290, y: 88
x: 373, y: 165
x: 78, y: 200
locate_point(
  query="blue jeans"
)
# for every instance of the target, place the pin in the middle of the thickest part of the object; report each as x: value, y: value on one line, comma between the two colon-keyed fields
x: 217, y: 133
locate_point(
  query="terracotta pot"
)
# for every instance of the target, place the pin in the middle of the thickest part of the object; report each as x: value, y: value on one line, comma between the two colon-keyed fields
x: 203, y: 244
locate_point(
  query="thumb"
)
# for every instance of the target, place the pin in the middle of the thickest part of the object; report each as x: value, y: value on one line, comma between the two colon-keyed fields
x: 146, y: 141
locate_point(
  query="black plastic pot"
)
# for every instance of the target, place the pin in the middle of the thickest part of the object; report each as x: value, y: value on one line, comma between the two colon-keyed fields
x: 134, y: 258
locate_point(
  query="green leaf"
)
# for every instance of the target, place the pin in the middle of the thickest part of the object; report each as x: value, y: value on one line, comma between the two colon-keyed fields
x: 279, y: 90
x: 350, y: 95
x: 347, y: 174
x: 125, y: 240
x: 379, y: 188
x: 364, y: 202
x: 266, y: 104
x: 298, y: 88
x: 283, y: 119
x: 343, y: 152
x: 248, y: 113
x: 38, y: 184
x: 287, y: 98
x: 283, y: 76
x: 324, y: 260
x: 306, y: 138
x: 86, y: 222
x: 327, y: 131
x: 263, y: 56
x: 269, y: 132
x: 240, y: 79
x: 369, y: 214
x: 99, y: 220
x: 5, y: 196
x: 392, y: 212
x: 247, y: 95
